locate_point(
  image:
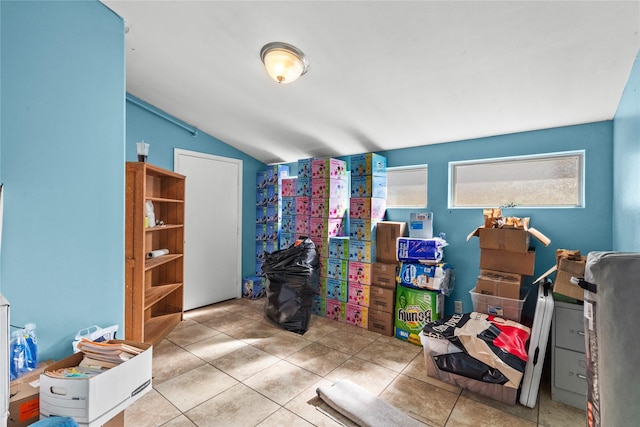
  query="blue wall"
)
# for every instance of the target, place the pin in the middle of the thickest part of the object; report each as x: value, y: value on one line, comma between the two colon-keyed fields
x: 626, y: 161
x: 63, y: 89
x: 163, y: 136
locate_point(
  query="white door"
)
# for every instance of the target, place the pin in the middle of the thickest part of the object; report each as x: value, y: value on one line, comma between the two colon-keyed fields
x: 213, y: 227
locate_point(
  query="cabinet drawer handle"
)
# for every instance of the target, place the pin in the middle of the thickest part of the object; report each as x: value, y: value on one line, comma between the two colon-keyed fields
x: 581, y: 333
x: 582, y: 377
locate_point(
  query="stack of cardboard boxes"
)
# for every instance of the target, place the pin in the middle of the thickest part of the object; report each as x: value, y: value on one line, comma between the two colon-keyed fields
x: 506, y: 257
x: 384, y: 270
x: 268, y: 223
x: 367, y: 207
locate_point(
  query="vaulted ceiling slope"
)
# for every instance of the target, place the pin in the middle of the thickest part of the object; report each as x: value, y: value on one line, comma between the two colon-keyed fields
x: 383, y: 74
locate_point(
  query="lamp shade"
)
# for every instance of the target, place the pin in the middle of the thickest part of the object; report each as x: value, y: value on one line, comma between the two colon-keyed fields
x: 283, y: 62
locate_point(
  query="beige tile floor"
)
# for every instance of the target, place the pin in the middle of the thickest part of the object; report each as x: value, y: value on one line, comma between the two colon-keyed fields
x: 228, y: 365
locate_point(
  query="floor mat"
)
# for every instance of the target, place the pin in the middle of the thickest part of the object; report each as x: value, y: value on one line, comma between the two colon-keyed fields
x: 362, y: 407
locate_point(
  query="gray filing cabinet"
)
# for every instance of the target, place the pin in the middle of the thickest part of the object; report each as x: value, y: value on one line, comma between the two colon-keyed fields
x: 568, y: 362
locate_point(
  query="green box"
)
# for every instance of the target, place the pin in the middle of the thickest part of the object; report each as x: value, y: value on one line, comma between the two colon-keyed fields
x: 415, y: 308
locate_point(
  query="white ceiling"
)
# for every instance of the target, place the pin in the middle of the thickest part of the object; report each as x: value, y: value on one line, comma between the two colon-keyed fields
x: 383, y: 74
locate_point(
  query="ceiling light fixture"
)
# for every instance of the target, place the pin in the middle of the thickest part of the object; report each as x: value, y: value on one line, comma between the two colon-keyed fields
x: 284, y: 63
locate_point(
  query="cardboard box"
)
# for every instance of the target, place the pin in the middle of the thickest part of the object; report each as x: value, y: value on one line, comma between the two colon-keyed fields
x: 329, y: 208
x: 289, y: 187
x: 509, y: 262
x: 286, y: 240
x: 319, y: 306
x: 328, y: 168
x: 368, y: 164
x: 261, y: 179
x: 415, y: 308
x: 339, y: 247
x: 303, y: 187
x: 254, y: 287
x: 94, y: 401
x: 507, y: 238
x: 367, y: 208
x: 304, y: 168
x: 275, y: 173
x: 326, y: 227
x: 336, y: 310
x: 381, y: 322
x: 303, y: 206
x: 322, y: 246
x: 289, y: 205
x: 329, y: 188
x: 362, y: 251
x: 357, y: 315
x: 359, y: 294
x: 421, y: 225
x: 336, y: 289
x: 362, y: 229
x: 382, y: 299
x: 24, y: 402
x: 433, y: 347
x: 369, y: 186
x: 499, y: 283
x: 566, y: 269
x: 359, y: 272
x: 335, y: 268
x: 387, y: 232
x: 384, y: 274
x: 303, y: 225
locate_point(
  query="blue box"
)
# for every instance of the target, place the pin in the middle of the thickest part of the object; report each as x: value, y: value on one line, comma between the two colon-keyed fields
x: 304, y: 168
x: 261, y: 179
x: 338, y: 247
x: 368, y: 164
x: 288, y: 205
x: 259, y: 263
x: 253, y: 287
x: 303, y: 187
x: 288, y: 224
x: 273, y: 193
x: 335, y: 269
x: 336, y: 289
x: 275, y: 173
x: 261, y: 232
x: 437, y: 278
x: 362, y: 229
x: 362, y: 251
x: 261, y: 197
x: 369, y: 186
x: 260, y: 249
x: 319, y: 306
x: 273, y: 231
x: 261, y: 214
x: 286, y: 240
x: 273, y: 212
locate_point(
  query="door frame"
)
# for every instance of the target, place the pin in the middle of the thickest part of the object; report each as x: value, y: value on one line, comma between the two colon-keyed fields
x: 177, y: 152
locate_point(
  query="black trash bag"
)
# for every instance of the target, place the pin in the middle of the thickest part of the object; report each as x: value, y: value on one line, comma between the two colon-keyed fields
x: 467, y: 366
x: 293, y: 279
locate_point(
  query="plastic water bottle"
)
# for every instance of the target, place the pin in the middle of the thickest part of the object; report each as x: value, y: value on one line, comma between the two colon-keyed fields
x: 17, y: 348
x: 31, y: 346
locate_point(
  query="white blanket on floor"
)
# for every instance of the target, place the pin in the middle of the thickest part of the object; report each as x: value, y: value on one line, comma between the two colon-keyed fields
x: 363, y: 407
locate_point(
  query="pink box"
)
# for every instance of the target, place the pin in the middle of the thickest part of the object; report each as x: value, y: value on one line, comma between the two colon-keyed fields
x: 326, y: 227
x: 328, y: 168
x: 303, y: 224
x: 329, y: 208
x: 359, y: 294
x: 328, y: 188
x: 322, y: 248
x: 357, y: 315
x: 360, y: 272
x: 303, y: 206
x: 367, y: 207
x: 289, y: 187
x: 336, y: 310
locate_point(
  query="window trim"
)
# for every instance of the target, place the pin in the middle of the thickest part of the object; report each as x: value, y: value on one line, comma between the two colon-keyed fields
x: 424, y: 166
x: 530, y: 157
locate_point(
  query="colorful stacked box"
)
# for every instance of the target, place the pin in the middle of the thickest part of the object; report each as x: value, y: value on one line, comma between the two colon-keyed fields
x: 303, y: 198
x: 288, y: 224
x: 328, y: 203
x: 269, y: 206
x: 333, y: 277
x: 367, y: 207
